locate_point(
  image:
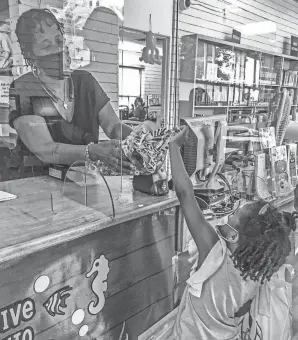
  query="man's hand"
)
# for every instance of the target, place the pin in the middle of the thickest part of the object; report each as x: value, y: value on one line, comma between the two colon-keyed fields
x: 109, y: 152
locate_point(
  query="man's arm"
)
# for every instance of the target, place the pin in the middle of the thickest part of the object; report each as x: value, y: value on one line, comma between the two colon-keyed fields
x: 111, y: 124
x: 34, y: 133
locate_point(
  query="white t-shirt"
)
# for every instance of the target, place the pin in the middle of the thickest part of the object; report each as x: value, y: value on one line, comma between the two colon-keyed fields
x: 216, y: 291
x: 273, y: 306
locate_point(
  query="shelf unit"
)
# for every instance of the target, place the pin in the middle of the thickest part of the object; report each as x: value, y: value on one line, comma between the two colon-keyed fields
x: 225, y: 77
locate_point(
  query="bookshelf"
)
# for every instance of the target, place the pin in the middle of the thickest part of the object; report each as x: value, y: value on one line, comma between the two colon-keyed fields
x: 223, y: 77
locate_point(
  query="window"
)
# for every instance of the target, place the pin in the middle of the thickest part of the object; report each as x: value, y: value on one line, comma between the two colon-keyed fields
x: 129, y: 82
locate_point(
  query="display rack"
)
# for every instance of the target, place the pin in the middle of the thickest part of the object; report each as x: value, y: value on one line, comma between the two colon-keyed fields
x: 224, y: 77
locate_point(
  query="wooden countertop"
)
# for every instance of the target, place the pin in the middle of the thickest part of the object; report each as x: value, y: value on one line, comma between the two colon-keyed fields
x: 42, y: 216
x: 45, y: 214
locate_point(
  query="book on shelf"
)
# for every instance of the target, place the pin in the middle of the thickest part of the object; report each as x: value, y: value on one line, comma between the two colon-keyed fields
x: 212, y: 70
x: 268, y: 77
x: 270, y: 67
x: 236, y: 95
x: 217, y: 93
x: 267, y: 94
x: 290, y: 78
x: 209, y: 89
x: 242, y: 68
x: 268, y: 137
x: 292, y: 160
x: 280, y: 170
x: 224, y: 94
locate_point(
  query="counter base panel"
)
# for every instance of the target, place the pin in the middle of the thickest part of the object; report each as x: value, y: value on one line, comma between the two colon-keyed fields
x: 119, y: 279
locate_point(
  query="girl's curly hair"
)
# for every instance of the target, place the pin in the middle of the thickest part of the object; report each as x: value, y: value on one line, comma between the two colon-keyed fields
x: 26, y: 28
x: 264, y: 242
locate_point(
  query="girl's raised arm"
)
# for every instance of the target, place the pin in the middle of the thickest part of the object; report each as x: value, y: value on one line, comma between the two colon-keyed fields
x: 202, y: 232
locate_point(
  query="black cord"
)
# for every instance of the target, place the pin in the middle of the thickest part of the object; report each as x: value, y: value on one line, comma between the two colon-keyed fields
x: 230, y: 154
x: 228, y: 213
x: 226, y: 182
x: 201, y: 199
x: 231, y: 212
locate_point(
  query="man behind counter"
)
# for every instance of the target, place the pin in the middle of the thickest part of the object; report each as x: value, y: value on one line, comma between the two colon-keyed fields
x: 139, y: 112
x: 58, y: 116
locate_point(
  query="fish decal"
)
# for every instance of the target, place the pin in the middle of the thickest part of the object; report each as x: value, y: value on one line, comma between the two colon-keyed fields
x: 57, y: 301
x: 99, y: 285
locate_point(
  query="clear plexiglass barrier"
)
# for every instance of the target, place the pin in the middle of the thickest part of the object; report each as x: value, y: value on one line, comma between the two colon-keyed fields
x: 89, y: 187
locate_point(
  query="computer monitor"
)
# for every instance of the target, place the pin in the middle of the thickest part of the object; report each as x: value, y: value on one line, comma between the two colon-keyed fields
x: 204, y: 152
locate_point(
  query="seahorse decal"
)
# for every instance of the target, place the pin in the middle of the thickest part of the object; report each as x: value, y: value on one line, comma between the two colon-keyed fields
x: 99, y: 285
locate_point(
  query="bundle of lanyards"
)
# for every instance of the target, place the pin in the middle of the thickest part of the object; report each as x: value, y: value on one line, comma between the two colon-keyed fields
x: 148, y: 148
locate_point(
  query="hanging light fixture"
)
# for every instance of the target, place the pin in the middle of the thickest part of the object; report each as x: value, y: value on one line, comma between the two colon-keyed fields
x: 258, y: 28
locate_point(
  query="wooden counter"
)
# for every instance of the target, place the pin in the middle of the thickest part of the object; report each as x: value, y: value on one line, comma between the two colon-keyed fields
x: 42, y: 216
x: 69, y: 272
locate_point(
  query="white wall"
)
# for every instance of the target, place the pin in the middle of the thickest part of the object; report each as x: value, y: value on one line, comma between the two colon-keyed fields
x: 152, y: 80
x: 136, y: 15
x: 204, y: 21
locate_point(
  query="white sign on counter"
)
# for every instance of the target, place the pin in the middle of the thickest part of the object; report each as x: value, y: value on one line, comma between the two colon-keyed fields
x: 4, y: 91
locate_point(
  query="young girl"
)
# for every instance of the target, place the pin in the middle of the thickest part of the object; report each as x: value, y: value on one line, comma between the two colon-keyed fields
x: 234, y: 262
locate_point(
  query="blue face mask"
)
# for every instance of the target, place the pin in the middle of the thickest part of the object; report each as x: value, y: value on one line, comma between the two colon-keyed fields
x: 51, y: 64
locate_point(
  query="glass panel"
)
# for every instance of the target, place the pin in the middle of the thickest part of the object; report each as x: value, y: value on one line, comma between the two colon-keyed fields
x: 76, y: 76
x: 90, y: 188
x: 55, y: 100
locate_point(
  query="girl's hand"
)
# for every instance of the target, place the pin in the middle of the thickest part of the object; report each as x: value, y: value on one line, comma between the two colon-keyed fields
x: 181, y: 137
